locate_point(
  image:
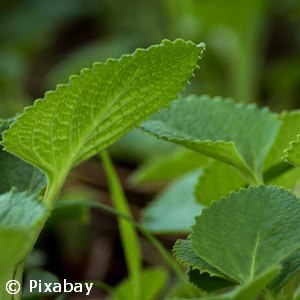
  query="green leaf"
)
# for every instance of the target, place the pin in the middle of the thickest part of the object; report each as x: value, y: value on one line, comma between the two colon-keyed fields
x: 163, y: 168
x: 237, y: 134
x: 152, y: 282
x: 19, y: 210
x: 93, y: 110
x: 288, y: 132
x: 216, y: 180
x: 290, y: 267
x: 173, y: 210
x: 207, y: 283
x: 20, y: 215
x: 14, y: 172
x: 248, y: 232
x: 251, y: 289
x: 292, y: 154
x: 186, y: 255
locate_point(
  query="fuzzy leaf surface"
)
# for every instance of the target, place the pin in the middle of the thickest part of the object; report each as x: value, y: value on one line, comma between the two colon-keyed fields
x: 176, y: 204
x: 14, y: 172
x: 186, y: 255
x: 248, y: 232
x: 237, y: 134
x: 93, y: 110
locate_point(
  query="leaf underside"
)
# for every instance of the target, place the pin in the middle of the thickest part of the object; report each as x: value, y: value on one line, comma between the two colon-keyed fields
x: 93, y: 110
x: 237, y: 134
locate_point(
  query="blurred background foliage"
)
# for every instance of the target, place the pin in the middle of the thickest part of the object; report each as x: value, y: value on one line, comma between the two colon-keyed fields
x: 252, y: 55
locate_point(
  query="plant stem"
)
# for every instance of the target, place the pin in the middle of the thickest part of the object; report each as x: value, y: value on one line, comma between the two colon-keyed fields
x: 152, y: 239
x: 129, y: 236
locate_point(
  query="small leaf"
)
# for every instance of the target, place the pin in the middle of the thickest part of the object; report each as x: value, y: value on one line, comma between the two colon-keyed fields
x: 175, y: 208
x: 237, y: 134
x: 94, y: 109
x: 216, y: 180
x: 248, y: 232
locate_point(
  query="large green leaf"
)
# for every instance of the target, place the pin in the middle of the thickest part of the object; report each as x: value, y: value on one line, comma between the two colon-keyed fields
x: 93, y: 110
x: 20, y: 215
x: 14, y: 172
x: 176, y: 204
x: 249, y: 232
x: 237, y: 134
x: 217, y: 180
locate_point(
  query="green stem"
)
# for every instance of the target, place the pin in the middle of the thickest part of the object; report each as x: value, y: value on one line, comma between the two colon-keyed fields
x: 129, y: 236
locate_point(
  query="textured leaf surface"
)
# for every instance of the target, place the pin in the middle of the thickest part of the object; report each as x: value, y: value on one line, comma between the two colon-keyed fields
x: 248, y: 232
x: 14, y: 172
x: 186, y: 255
x: 250, y: 290
x: 216, y: 180
x: 289, y: 130
x: 168, y: 167
x: 292, y: 154
x: 175, y: 208
x: 152, y: 282
x: 96, y: 108
x: 290, y: 267
x: 19, y: 216
x: 236, y: 134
